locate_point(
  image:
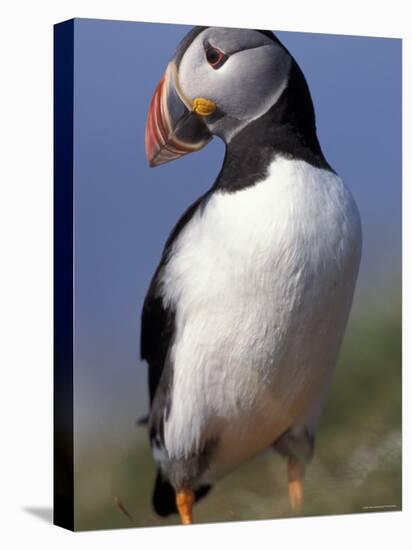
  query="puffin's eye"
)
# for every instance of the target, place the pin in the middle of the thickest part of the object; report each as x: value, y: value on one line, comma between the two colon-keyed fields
x: 215, y: 57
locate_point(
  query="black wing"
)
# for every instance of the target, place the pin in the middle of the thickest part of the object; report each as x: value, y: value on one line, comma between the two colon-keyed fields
x: 157, y: 329
x: 158, y: 321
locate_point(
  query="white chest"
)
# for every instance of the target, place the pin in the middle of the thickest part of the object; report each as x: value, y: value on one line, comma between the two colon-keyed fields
x: 262, y: 281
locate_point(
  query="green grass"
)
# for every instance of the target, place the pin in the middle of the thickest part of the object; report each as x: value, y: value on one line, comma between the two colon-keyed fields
x: 357, y: 464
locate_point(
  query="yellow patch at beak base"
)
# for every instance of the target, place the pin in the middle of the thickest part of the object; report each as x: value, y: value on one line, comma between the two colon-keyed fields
x: 203, y: 106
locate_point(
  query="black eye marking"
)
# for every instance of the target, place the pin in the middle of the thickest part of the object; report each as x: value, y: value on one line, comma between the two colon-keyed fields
x: 215, y: 57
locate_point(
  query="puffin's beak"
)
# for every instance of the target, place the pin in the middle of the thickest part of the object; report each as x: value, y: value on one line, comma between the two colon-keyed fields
x: 174, y: 125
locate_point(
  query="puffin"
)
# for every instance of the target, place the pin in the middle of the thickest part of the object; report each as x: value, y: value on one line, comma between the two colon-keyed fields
x: 244, y: 316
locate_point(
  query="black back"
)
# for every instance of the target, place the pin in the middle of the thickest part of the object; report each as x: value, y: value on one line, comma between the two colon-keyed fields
x: 288, y: 129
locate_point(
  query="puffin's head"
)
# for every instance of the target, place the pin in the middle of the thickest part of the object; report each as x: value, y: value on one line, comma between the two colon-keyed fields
x: 219, y: 81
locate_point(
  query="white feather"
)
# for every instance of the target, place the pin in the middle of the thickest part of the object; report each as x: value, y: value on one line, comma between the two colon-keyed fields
x: 262, y: 282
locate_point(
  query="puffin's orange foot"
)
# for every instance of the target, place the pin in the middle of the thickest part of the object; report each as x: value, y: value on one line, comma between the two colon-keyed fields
x: 184, y: 502
x: 295, y: 484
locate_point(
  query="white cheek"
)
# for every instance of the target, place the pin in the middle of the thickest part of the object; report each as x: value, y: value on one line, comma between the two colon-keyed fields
x: 254, y: 81
x: 245, y: 87
x: 196, y: 77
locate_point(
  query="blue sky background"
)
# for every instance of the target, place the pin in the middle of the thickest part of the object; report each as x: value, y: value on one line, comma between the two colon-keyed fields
x: 124, y: 210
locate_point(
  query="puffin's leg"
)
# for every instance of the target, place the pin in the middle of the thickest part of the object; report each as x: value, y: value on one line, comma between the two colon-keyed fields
x: 296, y: 472
x: 297, y: 445
x: 185, y: 499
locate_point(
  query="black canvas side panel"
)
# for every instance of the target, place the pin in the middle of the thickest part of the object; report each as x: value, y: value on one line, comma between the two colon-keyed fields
x: 63, y: 275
